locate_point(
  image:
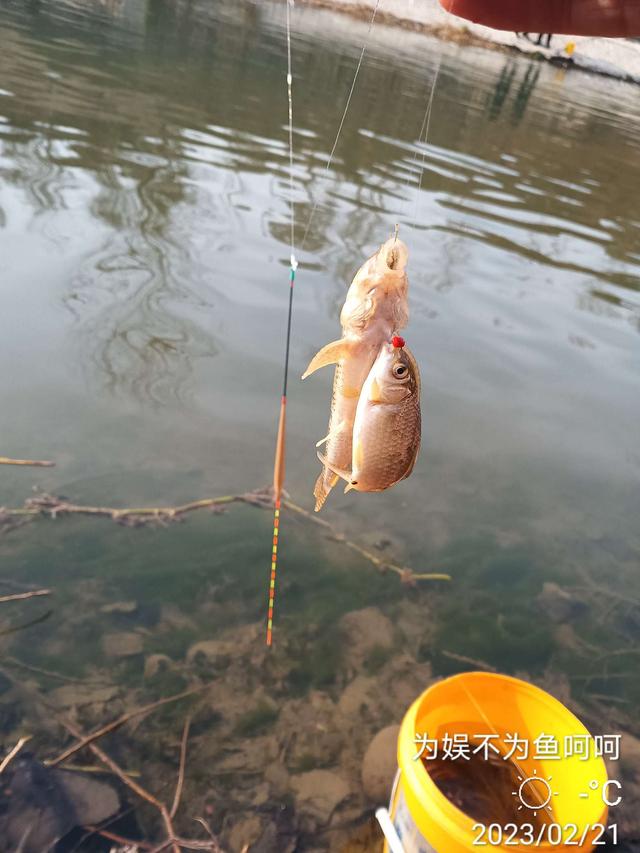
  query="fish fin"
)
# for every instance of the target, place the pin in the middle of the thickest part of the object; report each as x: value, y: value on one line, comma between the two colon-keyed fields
x: 375, y: 395
x: 325, y: 482
x: 349, y: 487
x: 330, y: 354
x: 358, y: 456
x: 332, y: 432
x: 340, y: 472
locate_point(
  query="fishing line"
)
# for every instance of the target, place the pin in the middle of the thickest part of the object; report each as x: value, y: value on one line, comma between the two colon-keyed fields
x: 344, y: 115
x: 292, y: 211
x: 426, y: 121
x: 472, y: 699
x: 424, y: 130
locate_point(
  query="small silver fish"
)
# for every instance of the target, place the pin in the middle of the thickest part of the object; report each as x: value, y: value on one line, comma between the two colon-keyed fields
x: 387, y: 425
x: 374, y: 309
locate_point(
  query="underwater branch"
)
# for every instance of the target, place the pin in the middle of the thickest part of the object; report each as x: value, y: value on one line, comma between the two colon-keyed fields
x: 45, y: 505
x: 173, y: 841
x: 34, y: 463
x: 116, y: 724
x: 19, y: 596
x: 6, y: 761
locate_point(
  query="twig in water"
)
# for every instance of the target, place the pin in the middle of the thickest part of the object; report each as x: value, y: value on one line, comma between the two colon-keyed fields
x: 206, y: 826
x: 36, y: 463
x: 472, y: 661
x: 92, y: 768
x: 183, y: 759
x: 406, y: 574
x: 119, y: 839
x: 18, y: 596
x: 126, y: 780
x: 616, y: 652
x: 211, y: 846
x: 6, y: 761
x: 92, y: 830
x: 48, y: 672
x: 45, y: 504
x: 15, y: 628
x: 603, y: 676
x: 115, y: 724
x: 600, y: 697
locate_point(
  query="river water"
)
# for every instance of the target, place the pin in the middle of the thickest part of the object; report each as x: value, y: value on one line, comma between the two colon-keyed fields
x: 144, y: 240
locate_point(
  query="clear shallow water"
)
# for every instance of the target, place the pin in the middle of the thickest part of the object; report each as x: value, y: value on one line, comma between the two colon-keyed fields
x: 144, y: 215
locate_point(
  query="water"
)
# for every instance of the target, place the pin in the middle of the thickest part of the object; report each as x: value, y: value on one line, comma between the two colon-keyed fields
x: 144, y: 240
x: 483, y: 790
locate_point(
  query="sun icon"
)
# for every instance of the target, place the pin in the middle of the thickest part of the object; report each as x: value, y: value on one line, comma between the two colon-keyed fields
x: 535, y: 793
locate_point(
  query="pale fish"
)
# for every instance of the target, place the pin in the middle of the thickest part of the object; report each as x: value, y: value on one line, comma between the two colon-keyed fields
x: 375, y: 308
x: 386, y: 430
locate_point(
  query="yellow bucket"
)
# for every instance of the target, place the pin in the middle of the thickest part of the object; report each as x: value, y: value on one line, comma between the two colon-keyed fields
x: 495, y: 707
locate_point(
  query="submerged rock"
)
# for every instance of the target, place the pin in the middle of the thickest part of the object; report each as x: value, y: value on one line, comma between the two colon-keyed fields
x: 318, y: 794
x: 156, y: 663
x: 365, y: 837
x: 380, y: 764
x: 174, y: 619
x: 80, y: 695
x: 275, y: 836
x: 277, y: 777
x: 93, y: 800
x: 358, y: 696
x: 39, y: 805
x: 211, y: 652
x: 558, y: 604
x: 123, y: 644
x: 245, y: 833
x: 365, y: 631
x: 125, y: 607
x: 403, y: 680
x: 317, y: 738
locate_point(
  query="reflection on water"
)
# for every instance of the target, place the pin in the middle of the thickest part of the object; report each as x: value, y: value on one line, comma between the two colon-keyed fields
x: 134, y: 328
x: 144, y: 234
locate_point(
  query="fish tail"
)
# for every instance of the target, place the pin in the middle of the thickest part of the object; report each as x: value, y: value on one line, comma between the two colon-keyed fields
x: 325, y: 482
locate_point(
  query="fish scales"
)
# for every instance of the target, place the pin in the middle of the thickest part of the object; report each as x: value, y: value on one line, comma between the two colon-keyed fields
x: 387, y: 427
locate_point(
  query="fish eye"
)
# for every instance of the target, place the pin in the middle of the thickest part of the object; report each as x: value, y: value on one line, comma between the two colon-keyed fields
x: 400, y: 370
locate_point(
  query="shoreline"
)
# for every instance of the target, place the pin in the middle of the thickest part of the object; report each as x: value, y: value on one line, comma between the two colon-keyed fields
x: 617, y: 59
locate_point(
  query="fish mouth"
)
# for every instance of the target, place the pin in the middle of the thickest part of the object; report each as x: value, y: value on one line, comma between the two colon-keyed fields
x: 392, y: 256
x: 385, y: 269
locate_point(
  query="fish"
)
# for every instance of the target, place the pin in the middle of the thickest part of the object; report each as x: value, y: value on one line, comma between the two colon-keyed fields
x: 387, y: 425
x: 375, y: 308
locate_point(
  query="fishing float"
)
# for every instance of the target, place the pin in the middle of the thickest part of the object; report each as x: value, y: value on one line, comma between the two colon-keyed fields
x: 279, y: 460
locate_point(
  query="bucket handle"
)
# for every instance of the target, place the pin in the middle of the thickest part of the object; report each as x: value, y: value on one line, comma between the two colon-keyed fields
x: 389, y: 831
